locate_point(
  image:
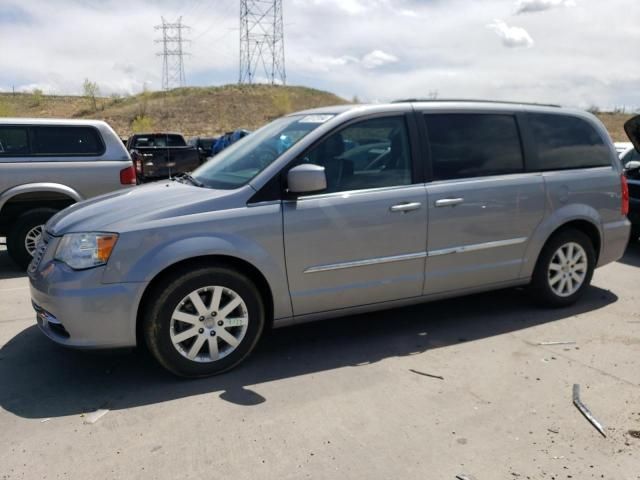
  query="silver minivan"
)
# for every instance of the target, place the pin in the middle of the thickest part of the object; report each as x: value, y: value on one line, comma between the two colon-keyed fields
x: 331, y: 212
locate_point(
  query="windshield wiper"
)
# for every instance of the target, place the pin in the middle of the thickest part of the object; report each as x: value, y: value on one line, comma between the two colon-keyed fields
x: 191, y: 180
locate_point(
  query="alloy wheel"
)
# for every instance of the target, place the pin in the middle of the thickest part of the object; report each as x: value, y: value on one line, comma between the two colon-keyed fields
x: 209, y: 324
x: 567, y: 269
x: 32, y: 238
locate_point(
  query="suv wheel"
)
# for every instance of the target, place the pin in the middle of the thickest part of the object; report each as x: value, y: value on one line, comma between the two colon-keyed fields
x: 203, y: 322
x: 25, y: 233
x: 564, y: 269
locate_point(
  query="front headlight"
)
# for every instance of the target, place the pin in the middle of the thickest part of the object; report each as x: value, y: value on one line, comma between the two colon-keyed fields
x: 85, y: 250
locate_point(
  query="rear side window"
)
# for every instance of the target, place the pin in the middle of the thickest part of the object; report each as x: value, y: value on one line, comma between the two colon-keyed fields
x: 14, y: 141
x: 465, y: 145
x: 565, y: 142
x: 61, y: 141
x: 160, y: 140
x: 175, y: 141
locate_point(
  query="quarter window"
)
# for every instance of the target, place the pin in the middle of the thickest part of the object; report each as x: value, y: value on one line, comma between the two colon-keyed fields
x: 66, y: 141
x: 473, y: 145
x: 565, y: 142
x: 14, y: 141
x: 371, y: 154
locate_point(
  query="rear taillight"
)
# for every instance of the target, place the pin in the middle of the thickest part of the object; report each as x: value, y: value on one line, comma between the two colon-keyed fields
x: 128, y: 176
x: 625, y: 195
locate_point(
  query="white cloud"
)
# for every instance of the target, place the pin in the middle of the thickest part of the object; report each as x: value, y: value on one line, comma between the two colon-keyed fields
x: 352, y: 7
x: 530, y: 6
x: 330, y: 43
x: 512, y: 37
x: 370, y: 61
x: 377, y: 58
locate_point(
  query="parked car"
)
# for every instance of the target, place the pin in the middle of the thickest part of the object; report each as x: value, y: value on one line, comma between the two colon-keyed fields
x: 158, y: 156
x: 228, y: 139
x: 204, y: 145
x: 622, y: 147
x: 443, y: 199
x: 47, y: 165
x: 631, y: 162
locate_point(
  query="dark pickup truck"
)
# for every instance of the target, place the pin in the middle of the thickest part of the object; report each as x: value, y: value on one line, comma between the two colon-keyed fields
x: 161, y: 155
x: 204, y: 146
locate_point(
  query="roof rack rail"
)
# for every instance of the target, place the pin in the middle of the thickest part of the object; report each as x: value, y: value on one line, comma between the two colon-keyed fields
x: 470, y: 100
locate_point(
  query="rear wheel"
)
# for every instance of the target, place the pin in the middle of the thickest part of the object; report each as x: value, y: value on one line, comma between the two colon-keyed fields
x: 564, y: 269
x: 25, y: 234
x: 204, y: 322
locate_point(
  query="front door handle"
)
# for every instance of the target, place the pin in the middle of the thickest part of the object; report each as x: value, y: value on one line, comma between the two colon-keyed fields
x: 406, y: 207
x: 449, y: 202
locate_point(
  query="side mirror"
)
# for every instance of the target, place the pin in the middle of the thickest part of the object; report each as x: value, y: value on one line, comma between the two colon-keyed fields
x: 307, y: 178
x: 632, y: 165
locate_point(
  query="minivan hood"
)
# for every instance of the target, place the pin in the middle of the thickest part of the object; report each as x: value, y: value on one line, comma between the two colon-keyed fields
x: 130, y: 208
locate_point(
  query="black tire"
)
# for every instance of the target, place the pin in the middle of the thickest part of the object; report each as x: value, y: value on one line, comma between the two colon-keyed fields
x: 164, y: 299
x: 540, y: 287
x: 17, y: 235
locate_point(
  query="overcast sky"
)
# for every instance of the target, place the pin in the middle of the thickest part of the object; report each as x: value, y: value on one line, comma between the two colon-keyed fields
x: 573, y: 52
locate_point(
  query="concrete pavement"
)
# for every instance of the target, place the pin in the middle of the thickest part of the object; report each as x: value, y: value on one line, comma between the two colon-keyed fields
x: 345, y: 398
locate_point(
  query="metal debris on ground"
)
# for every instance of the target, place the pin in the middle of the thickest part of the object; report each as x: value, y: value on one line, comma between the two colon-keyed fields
x: 585, y: 411
x: 564, y: 342
x: 93, y: 417
x: 426, y: 374
x: 465, y: 477
x: 44, y: 420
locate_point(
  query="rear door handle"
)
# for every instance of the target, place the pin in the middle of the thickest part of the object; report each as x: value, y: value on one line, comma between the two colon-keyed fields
x: 449, y: 202
x: 406, y: 207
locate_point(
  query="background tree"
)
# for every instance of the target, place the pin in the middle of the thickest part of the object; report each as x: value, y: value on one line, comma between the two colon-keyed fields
x: 91, y: 92
x: 36, y: 97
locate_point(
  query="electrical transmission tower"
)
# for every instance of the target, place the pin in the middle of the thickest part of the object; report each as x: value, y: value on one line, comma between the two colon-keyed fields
x: 172, y: 53
x: 261, y: 42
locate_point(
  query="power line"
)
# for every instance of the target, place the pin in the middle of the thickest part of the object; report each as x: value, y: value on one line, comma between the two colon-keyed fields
x: 221, y: 12
x: 172, y: 53
x: 262, y: 41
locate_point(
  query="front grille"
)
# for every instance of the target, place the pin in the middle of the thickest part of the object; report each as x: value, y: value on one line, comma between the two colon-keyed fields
x: 48, y: 321
x: 39, y: 253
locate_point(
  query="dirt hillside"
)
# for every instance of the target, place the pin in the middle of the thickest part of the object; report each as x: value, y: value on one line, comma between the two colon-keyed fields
x: 197, y: 111
x: 191, y: 111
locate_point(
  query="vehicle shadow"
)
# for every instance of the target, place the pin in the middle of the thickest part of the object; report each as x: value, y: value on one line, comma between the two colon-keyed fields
x: 631, y: 255
x: 39, y: 379
x: 8, y: 269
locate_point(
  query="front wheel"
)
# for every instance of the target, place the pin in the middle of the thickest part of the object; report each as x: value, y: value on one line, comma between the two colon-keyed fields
x: 564, y: 269
x: 204, y: 322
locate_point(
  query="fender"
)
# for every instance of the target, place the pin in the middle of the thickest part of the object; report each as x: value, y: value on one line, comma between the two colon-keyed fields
x: 39, y: 187
x: 162, y: 256
x: 550, y: 224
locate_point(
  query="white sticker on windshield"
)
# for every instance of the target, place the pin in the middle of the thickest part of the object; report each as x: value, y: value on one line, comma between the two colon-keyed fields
x: 316, y: 118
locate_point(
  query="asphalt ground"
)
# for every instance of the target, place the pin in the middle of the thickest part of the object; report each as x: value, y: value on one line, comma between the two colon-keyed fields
x: 355, y: 397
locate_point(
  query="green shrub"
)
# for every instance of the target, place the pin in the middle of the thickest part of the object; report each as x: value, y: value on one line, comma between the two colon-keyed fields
x: 36, y: 97
x: 141, y: 123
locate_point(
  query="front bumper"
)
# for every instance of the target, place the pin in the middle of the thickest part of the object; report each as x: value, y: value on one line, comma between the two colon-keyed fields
x: 75, y: 309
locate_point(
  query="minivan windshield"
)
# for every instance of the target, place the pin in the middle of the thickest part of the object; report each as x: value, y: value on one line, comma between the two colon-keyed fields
x: 237, y: 165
